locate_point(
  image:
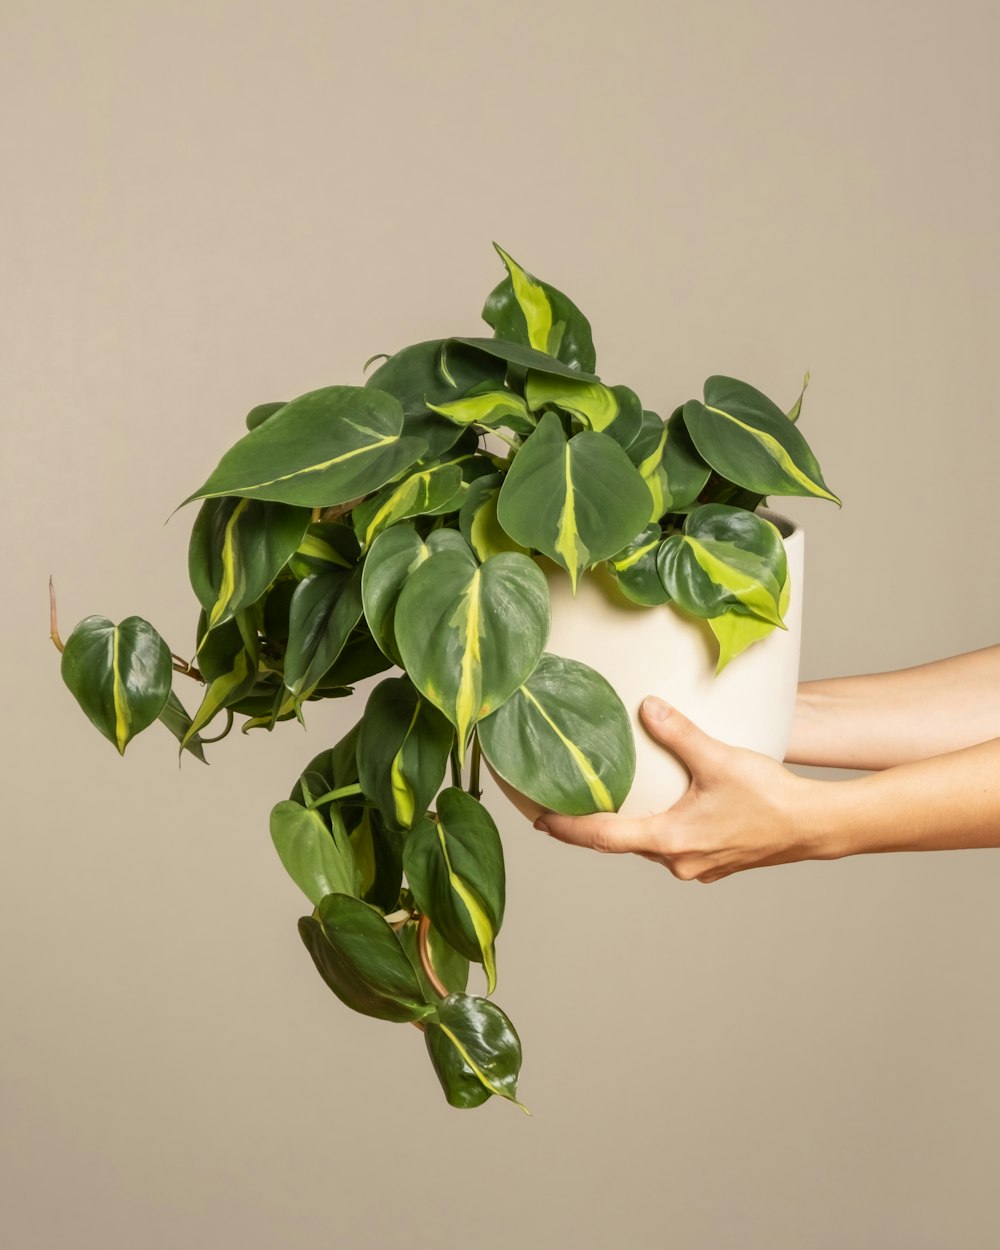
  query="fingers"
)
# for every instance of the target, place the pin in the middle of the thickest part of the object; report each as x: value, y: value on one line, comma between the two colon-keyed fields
x: 607, y: 833
x: 672, y: 729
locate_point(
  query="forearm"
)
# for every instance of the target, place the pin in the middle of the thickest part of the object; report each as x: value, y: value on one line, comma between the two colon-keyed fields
x: 880, y: 720
x: 948, y: 802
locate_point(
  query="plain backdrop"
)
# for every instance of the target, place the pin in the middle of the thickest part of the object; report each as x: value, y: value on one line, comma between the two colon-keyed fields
x: 211, y: 204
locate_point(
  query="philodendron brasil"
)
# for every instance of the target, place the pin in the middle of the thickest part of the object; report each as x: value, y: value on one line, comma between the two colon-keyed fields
x: 400, y: 523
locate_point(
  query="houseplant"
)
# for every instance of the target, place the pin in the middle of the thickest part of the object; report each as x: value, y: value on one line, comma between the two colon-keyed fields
x: 402, y: 523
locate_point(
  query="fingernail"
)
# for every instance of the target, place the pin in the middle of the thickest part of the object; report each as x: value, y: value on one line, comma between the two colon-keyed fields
x: 654, y: 709
x: 541, y: 826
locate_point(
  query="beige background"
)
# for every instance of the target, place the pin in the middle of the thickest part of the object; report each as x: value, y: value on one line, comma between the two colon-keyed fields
x: 212, y: 204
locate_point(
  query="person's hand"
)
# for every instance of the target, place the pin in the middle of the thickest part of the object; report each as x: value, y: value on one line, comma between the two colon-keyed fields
x: 741, y: 810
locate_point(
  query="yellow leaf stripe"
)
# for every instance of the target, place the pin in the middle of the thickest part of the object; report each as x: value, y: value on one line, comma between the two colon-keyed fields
x: 123, y: 716
x: 402, y: 794
x: 228, y: 588
x: 598, y: 790
x: 477, y: 914
x: 743, y: 585
x: 635, y: 556
x: 567, y: 543
x: 492, y: 406
x: 734, y: 632
x: 593, y: 402
x: 317, y: 549
x: 533, y: 301
x: 469, y: 695
x: 479, y: 1073
x: 385, y: 441
x: 779, y: 454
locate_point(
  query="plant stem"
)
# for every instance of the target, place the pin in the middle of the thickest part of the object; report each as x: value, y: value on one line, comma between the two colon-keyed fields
x: 475, y: 789
x: 503, y: 437
x: 332, y: 795
x: 423, y: 949
x: 456, y: 768
x: 53, y: 623
x: 225, y: 732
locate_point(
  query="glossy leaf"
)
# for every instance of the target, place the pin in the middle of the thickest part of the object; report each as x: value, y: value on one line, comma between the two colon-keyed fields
x: 177, y: 720
x: 564, y: 739
x: 635, y: 570
x: 403, y: 751
x: 746, y: 438
x: 668, y: 463
x: 327, y: 447
x: 119, y: 674
x: 526, y: 310
x: 325, y: 545
x: 521, y: 357
x: 393, y: 556
x: 725, y: 558
x: 425, y: 374
x: 455, y: 868
x: 474, y: 1049
x: 317, y: 857
x: 237, y: 549
x: 426, y: 491
x: 578, y: 500
x: 223, y: 691
x: 478, y: 519
x: 609, y: 410
x: 359, y: 957
x: 735, y: 630
x: 492, y: 408
x: 468, y: 635
x: 324, y: 610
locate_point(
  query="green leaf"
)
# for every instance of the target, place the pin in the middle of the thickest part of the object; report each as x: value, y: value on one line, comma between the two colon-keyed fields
x: 361, y: 657
x: 452, y: 968
x: 425, y: 374
x: 564, y: 739
x: 668, y: 463
x: 468, y: 635
x: 478, y: 519
x: 427, y: 491
x: 223, y: 691
x: 735, y: 630
x: 615, y: 411
x: 635, y: 570
x: 489, y: 409
x: 317, y: 857
x: 237, y: 549
x: 745, y: 437
x: 379, y: 853
x: 403, y: 751
x: 579, y: 500
x: 119, y: 674
x: 359, y: 957
x: 326, y: 545
x: 455, y: 868
x: 725, y: 558
x: 521, y: 357
x: 796, y: 408
x: 525, y: 310
x: 324, y: 610
x: 177, y: 720
x: 326, y: 447
x: 263, y: 412
x: 394, y: 554
x: 474, y: 1049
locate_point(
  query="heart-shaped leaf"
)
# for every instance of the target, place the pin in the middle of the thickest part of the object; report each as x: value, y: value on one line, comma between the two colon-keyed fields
x: 119, y: 674
x: 469, y: 634
x: 324, y: 610
x: 327, y: 447
x: 317, y: 857
x: 578, y: 500
x: 564, y: 739
x: 455, y: 868
x: 474, y: 1049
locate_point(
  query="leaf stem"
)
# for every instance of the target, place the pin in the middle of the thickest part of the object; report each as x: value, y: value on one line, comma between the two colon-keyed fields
x: 225, y: 732
x: 53, y: 623
x: 182, y: 666
x: 486, y: 429
x: 475, y: 789
x: 332, y: 795
x: 456, y: 768
x: 423, y: 949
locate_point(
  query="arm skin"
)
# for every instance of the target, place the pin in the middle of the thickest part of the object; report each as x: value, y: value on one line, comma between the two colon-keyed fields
x: 883, y: 719
x: 745, y: 810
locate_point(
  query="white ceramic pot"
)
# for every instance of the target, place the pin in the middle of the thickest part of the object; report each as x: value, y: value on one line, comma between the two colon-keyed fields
x: 643, y: 650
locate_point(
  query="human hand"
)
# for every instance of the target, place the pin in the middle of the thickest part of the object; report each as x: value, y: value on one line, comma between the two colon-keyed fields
x: 742, y: 810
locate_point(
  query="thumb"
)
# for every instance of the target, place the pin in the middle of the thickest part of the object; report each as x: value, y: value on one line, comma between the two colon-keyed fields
x: 672, y: 729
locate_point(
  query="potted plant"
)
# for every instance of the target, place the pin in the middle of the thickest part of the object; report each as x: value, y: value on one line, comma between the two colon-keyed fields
x: 405, y: 523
